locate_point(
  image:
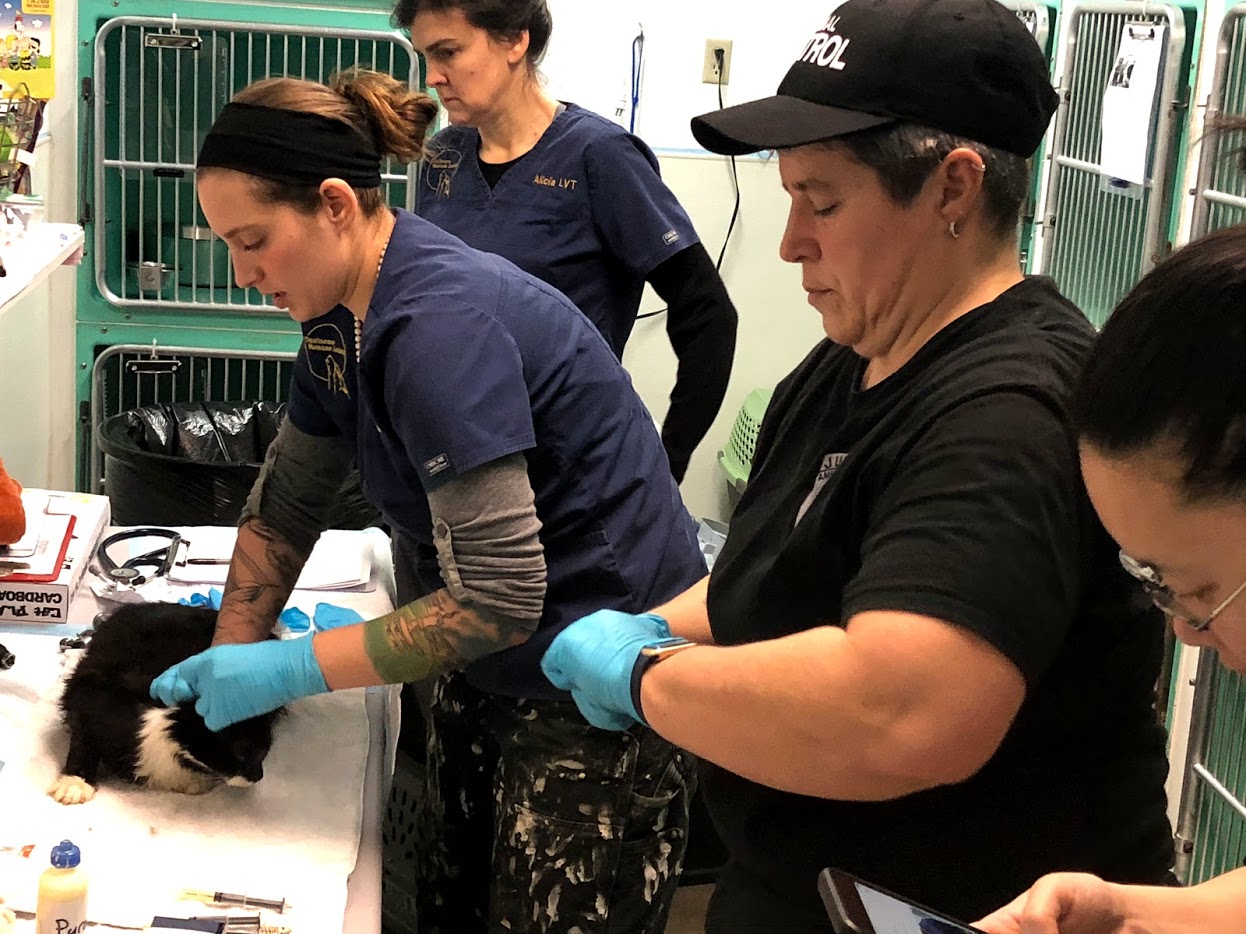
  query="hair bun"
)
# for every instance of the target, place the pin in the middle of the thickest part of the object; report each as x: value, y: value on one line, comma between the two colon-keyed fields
x: 397, y: 117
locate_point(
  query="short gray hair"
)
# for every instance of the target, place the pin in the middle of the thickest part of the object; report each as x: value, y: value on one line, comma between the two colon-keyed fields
x: 903, y: 156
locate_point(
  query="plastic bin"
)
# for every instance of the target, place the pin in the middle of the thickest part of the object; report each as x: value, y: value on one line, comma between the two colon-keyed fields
x: 736, y: 459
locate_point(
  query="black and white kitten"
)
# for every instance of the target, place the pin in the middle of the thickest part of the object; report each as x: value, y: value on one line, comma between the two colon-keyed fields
x: 116, y: 728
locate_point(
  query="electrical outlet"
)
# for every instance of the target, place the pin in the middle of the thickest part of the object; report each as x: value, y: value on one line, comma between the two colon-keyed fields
x: 709, y: 70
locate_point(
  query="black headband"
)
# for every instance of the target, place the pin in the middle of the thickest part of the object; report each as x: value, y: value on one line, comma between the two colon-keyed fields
x: 289, y: 146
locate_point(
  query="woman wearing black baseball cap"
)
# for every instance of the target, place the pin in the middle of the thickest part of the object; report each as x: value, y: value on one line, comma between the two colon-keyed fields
x: 918, y: 658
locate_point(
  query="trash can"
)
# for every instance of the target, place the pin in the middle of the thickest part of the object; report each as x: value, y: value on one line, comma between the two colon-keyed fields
x: 195, y: 463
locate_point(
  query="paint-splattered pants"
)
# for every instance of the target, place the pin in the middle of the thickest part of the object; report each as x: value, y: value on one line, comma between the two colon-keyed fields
x: 537, y: 821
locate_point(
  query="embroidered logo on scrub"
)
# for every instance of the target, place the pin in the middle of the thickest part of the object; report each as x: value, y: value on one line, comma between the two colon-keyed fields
x: 326, y: 356
x: 827, y: 47
x: 830, y: 464
x: 436, y: 464
x: 439, y: 170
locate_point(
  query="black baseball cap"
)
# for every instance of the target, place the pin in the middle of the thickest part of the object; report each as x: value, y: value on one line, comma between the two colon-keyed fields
x: 967, y: 67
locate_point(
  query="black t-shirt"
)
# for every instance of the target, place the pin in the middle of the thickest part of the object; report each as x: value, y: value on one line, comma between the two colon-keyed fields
x: 493, y: 171
x: 951, y: 490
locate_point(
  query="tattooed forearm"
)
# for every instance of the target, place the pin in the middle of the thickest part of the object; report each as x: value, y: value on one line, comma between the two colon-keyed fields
x: 437, y: 634
x: 262, y: 573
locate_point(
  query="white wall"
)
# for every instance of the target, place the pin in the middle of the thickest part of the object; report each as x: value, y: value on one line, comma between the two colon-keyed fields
x: 37, y: 423
x: 589, y: 62
x: 589, y: 59
x: 777, y: 325
x: 36, y: 376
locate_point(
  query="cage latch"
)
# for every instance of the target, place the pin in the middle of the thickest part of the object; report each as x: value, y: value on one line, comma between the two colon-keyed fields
x: 154, y: 363
x: 173, y: 39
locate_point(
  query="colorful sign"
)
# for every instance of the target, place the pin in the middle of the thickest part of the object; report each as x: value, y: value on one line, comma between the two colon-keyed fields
x: 26, y: 46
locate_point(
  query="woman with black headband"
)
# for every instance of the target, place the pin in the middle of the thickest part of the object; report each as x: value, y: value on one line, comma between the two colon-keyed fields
x: 498, y: 434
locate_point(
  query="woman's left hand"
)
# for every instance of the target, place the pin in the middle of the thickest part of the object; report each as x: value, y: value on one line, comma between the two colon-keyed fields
x: 594, y: 659
x: 230, y: 683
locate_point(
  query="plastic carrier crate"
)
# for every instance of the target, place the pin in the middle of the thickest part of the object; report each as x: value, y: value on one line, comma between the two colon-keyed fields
x: 736, y: 459
x: 398, y: 842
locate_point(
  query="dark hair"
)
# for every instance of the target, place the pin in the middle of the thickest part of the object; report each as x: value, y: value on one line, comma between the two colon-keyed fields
x: 383, y: 108
x: 1169, y: 369
x: 503, y: 19
x: 904, y: 155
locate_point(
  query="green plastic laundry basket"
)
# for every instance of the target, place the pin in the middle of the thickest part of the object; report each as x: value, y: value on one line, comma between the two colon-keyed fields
x: 736, y: 459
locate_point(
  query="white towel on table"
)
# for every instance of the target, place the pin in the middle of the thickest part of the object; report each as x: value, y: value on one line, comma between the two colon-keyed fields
x: 295, y: 835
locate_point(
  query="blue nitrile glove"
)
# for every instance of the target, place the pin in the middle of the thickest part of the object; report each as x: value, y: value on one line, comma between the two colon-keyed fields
x: 593, y: 658
x: 235, y: 682
x: 294, y: 620
x: 327, y: 616
x: 211, y: 599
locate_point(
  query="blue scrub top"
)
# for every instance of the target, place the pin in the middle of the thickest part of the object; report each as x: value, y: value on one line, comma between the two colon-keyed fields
x: 467, y: 359
x: 584, y: 210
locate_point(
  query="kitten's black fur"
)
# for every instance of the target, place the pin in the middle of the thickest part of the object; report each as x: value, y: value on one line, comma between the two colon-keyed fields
x: 115, y: 727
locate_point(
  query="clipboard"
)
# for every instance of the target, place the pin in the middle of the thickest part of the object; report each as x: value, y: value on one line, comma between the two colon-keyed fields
x: 49, y: 557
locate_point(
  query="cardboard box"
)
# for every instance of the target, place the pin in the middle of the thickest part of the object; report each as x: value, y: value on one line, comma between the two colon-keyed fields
x: 35, y: 603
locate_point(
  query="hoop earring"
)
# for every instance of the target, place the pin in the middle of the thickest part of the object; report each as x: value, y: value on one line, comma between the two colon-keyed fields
x: 951, y: 228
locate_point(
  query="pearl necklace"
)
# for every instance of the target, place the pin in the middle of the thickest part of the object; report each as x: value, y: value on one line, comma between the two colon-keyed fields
x: 358, y: 321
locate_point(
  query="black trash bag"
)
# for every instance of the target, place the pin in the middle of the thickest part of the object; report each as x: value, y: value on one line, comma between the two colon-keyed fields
x: 195, y: 464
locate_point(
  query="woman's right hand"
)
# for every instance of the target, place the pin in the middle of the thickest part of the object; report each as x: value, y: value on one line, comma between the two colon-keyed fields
x: 229, y: 683
x: 1062, y: 903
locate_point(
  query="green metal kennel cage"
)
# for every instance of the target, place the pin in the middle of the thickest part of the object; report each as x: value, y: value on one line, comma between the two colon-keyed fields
x: 1099, y: 238
x: 1211, y: 827
x: 1042, y: 19
x: 152, y: 77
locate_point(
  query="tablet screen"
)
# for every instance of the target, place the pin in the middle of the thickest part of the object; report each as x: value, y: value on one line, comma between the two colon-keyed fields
x: 891, y: 916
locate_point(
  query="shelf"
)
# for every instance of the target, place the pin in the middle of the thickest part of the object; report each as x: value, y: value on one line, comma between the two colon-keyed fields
x: 29, y: 261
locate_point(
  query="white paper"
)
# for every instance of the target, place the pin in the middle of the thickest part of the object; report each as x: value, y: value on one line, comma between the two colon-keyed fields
x: 45, y: 559
x: 1129, y: 103
x: 339, y: 561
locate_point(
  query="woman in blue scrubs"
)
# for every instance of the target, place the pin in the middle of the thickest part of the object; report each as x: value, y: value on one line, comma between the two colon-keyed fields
x: 567, y: 196
x: 498, y: 434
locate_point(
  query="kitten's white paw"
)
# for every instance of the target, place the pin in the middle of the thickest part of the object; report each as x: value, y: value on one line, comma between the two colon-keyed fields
x: 70, y: 789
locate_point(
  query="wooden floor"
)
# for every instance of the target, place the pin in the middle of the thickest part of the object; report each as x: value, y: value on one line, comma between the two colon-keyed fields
x: 688, y: 910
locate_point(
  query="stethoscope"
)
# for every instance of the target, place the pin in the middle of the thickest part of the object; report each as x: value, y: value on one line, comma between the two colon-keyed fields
x: 161, y: 559
x: 129, y: 573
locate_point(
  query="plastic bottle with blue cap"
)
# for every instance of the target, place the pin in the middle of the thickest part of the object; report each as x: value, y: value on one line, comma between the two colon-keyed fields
x: 62, y: 905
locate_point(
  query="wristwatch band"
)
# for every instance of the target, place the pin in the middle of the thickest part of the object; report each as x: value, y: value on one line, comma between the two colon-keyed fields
x: 650, y: 654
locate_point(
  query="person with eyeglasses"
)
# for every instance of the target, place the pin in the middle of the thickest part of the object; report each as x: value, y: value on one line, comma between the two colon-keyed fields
x: 1161, y: 415
x: 1168, y: 600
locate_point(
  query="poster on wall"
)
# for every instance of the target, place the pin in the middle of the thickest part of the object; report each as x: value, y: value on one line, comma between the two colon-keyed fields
x: 26, y: 46
x: 1130, y: 103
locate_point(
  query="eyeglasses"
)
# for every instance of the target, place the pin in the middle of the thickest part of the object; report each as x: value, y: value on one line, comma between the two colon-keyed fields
x: 1163, y: 597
